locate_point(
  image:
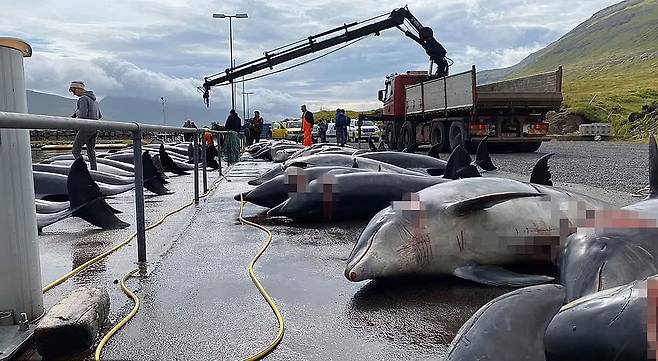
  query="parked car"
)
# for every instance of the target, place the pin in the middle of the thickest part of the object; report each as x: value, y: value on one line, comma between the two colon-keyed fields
x: 368, y: 128
x: 295, y: 132
x: 294, y: 128
x: 278, y: 131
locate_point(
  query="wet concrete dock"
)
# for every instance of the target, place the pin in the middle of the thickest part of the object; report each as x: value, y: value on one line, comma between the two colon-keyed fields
x: 198, y: 302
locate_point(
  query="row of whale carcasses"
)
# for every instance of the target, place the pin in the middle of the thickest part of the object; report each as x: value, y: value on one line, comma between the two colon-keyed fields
x: 65, y: 187
x: 431, y: 217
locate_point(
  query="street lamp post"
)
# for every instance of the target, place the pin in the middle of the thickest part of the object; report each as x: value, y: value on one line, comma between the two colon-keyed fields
x: 230, y: 30
x: 164, y: 112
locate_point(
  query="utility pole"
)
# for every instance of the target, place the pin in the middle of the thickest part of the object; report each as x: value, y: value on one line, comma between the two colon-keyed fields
x: 247, y: 94
x: 244, y: 112
x: 164, y: 111
x: 230, y: 30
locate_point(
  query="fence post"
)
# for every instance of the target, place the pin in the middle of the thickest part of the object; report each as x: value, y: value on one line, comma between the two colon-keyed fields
x: 139, y: 196
x: 20, y: 271
x: 196, y: 167
x: 219, y: 153
x: 204, y: 163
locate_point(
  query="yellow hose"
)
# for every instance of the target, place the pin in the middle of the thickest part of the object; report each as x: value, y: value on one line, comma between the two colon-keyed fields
x: 129, y: 293
x: 125, y: 320
x: 279, y: 336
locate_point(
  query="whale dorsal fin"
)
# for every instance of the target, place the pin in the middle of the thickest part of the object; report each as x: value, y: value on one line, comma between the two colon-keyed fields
x: 653, y: 167
x: 458, y: 159
x: 482, y: 158
x: 434, y: 151
x: 469, y: 171
x: 498, y: 276
x: 540, y: 172
x: 486, y: 201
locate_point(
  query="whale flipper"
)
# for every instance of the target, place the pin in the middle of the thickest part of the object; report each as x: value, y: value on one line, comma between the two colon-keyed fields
x: 486, y: 201
x: 498, y: 276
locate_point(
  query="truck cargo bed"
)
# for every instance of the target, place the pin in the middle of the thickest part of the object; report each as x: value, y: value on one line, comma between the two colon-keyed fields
x: 459, y: 93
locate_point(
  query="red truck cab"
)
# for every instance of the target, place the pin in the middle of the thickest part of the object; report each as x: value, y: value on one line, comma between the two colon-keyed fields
x: 393, y: 96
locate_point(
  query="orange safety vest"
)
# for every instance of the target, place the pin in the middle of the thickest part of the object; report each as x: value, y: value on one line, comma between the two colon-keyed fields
x: 308, y: 131
x: 208, y: 137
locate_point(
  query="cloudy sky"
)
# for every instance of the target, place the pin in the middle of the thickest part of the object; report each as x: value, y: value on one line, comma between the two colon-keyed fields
x: 148, y: 48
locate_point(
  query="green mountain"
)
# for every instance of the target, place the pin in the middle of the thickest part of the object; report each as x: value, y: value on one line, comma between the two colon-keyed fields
x: 611, y: 58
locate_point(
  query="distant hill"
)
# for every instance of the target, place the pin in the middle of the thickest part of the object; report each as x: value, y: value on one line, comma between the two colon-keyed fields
x: 128, y: 109
x: 48, y: 104
x: 611, y: 58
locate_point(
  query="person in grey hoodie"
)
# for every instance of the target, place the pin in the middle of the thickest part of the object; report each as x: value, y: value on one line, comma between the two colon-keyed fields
x: 87, y: 109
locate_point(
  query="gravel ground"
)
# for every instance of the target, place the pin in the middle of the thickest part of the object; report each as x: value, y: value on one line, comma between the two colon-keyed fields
x: 619, y: 166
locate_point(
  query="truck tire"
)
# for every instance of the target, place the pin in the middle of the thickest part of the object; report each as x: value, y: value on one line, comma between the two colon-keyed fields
x: 407, y: 136
x: 389, y: 136
x: 456, y: 134
x: 439, y: 136
x: 456, y: 137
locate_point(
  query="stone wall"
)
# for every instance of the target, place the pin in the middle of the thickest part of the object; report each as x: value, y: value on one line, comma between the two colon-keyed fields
x: 42, y: 135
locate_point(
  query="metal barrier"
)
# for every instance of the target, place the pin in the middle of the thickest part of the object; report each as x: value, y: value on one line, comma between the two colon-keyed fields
x: 10, y: 120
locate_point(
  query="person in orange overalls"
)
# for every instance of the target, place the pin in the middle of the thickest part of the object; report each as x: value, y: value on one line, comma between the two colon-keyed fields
x: 207, y: 136
x: 307, y: 126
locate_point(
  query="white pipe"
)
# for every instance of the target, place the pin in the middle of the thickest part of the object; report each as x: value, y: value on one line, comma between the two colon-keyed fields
x: 20, y: 271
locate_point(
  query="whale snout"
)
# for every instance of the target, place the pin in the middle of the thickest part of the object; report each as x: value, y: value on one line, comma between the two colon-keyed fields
x: 352, y: 275
x: 241, y: 196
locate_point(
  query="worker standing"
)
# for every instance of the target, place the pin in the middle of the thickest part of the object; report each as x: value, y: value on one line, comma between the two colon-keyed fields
x: 87, y: 108
x: 341, y: 128
x: 307, y: 126
x: 256, y: 126
x: 322, y: 131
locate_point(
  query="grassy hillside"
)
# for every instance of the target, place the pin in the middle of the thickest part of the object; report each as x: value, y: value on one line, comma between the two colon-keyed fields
x: 611, y: 58
x: 331, y: 115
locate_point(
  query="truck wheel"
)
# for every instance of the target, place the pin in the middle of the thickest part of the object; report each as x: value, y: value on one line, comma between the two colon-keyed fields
x: 407, y: 136
x: 439, y: 136
x: 389, y: 136
x: 456, y: 137
x: 456, y: 134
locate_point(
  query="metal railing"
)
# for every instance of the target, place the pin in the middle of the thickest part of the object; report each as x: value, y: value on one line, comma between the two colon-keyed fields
x: 10, y: 120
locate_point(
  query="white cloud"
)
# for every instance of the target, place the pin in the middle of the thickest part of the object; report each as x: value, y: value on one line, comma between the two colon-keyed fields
x: 164, y: 48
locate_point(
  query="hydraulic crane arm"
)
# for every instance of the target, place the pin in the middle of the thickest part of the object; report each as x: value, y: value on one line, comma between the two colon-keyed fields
x: 425, y: 38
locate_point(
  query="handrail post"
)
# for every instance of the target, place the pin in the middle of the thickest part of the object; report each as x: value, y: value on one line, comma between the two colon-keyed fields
x: 139, y: 196
x: 204, y: 163
x: 219, y: 152
x: 196, y: 167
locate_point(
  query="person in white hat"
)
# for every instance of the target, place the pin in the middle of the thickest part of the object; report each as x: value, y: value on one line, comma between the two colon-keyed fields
x: 87, y: 109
